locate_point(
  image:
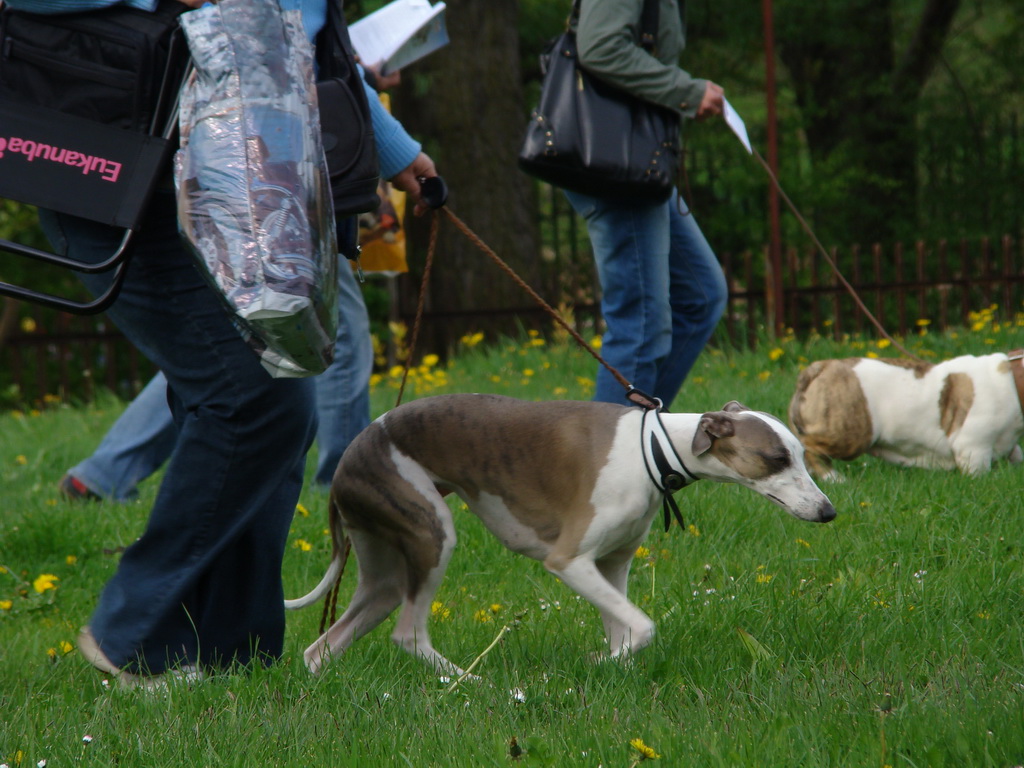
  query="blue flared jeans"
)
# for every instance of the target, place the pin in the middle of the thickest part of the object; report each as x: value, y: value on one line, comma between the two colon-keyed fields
x: 202, y: 585
x: 662, y: 292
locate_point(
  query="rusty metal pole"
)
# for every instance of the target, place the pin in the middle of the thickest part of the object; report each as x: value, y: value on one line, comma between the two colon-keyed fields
x: 773, y: 288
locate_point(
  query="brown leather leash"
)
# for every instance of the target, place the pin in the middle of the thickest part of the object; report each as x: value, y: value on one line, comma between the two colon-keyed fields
x: 831, y: 262
x: 632, y: 393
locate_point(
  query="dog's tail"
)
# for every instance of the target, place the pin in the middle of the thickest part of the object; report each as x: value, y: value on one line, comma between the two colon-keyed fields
x: 334, y: 570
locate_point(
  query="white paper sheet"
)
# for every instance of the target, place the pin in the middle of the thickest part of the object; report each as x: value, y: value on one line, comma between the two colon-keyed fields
x: 734, y: 121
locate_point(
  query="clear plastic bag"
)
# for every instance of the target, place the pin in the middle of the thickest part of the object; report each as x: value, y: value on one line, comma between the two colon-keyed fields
x: 253, y: 194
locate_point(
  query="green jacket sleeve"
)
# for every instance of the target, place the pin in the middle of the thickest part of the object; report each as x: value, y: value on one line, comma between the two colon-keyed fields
x: 608, y: 39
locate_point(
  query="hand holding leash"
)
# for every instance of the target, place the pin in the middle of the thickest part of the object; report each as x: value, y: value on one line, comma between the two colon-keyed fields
x: 433, y: 191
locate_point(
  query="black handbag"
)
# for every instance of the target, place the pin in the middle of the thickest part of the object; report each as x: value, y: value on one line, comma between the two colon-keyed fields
x: 587, y: 136
x: 345, y: 125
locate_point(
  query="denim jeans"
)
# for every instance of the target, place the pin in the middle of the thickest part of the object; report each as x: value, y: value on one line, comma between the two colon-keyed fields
x: 343, y: 390
x: 663, y: 293
x: 143, y: 437
x: 202, y: 585
x: 135, y: 447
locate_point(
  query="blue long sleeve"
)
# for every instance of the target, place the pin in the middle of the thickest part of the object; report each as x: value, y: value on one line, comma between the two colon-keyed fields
x: 396, y: 149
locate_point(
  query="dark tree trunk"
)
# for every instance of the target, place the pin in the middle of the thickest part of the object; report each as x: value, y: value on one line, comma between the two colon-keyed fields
x: 466, y: 104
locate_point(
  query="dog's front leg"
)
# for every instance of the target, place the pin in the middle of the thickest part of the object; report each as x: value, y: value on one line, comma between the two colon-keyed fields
x: 615, y: 568
x: 629, y: 628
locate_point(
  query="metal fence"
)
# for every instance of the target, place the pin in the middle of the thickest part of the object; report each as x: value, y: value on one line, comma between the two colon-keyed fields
x: 70, y: 358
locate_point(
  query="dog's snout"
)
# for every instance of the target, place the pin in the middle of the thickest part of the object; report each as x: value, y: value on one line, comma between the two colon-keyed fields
x: 826, y: 512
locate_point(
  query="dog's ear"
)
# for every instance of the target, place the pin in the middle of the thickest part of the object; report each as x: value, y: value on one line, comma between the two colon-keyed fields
x: 713, y: 426
x: 734, y: 406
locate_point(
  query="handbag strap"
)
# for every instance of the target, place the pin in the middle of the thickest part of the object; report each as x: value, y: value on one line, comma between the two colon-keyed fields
x: 649, y: 17
x: 334, y: 50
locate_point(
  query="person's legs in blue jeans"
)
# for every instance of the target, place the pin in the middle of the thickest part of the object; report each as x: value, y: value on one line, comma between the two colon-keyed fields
x: 203, y: 583
x: 662, y: 290
x: 697, y: 296
x: 135, y: 447
x: 631, y: 247
x: 343, y: 390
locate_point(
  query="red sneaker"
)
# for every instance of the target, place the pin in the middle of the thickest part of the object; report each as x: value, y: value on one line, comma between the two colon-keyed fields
x: 73, y: 489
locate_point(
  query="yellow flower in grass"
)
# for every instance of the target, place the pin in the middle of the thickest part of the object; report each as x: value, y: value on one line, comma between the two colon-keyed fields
x: 693, y: 530
x: 20, y: 460
x: 803, y: 543
x: 776, y: 353
x: 302, y: 510
x: 71, y: 559
x: 646, y: 753
x: 495, y: 608
x: 28, y: 325
x: 596, y: 342
x: 482, y: 616
x: 6, y: 605
x: 642, y: 553
x: 302, y: 545
x: 439, y: 610
x: 883, y: 343
x: 430, y: 360
x: 872, y: 355
x: 65, y: 647
x: 44, y: 582
x: 764, y: 375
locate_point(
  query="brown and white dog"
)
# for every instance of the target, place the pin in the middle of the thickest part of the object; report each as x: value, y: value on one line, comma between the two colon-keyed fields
x: 572, y: 484
x: 960, y: 413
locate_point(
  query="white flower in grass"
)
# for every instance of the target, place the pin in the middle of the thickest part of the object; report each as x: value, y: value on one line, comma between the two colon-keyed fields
x: 87, y: 739
x: 518, y: 695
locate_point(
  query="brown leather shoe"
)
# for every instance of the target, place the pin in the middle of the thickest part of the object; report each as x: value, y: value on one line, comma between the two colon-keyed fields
x: 91, y: 652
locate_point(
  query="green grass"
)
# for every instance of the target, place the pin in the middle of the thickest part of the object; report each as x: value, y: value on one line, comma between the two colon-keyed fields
x: 891, y: 636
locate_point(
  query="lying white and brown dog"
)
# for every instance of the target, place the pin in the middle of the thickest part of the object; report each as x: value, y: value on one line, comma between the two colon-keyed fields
x: 573, y: 484
x: 961, y: 413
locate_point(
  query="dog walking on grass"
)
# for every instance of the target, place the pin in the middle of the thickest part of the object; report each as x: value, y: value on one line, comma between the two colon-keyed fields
x: 575, y: 485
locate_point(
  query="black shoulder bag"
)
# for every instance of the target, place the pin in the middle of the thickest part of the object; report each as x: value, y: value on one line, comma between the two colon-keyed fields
x: 345, y: 123
x: 587, y: 136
